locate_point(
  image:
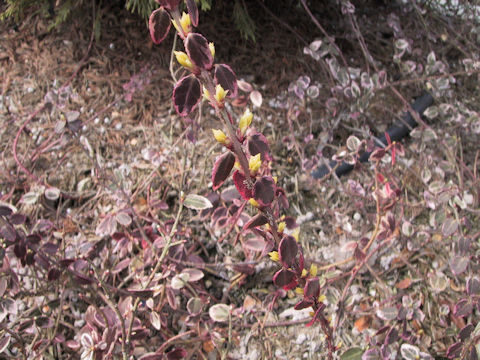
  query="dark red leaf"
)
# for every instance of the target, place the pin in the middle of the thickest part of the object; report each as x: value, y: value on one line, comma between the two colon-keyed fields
x: 391, y: 337
x: 359, y: 254
x: 222, y: 168
x: 312, y: 288
x: 283, y: 277
x: 186, y: 95
x: 20, y: 250
x: 176, y: 354
x: 192, y: 12
x: 66, y: 262
x: 257, y: 144
x: 241, y: 184
x: 473, y: 354
x: 42, y: 260
x: 466, y: 331
x: 287, y: 250
x: 33, y: 239
x: 50, y: 248
x: 377, y: 154
x: 264, y: 190
x: 53, y: 274
x: 225, y: 76
x: 169, y: 4
x: 80, y: 278
x: 283, y: 202
x: 8, y: 232
x: 473, y: 286
x: 159, y: 24
x: 303, y: 304
x: 316, y: 315
x: 198, y: 51
x: 257, y: 220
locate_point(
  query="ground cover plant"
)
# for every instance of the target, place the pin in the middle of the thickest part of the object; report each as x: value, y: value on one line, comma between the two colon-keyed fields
x: 169, y: 211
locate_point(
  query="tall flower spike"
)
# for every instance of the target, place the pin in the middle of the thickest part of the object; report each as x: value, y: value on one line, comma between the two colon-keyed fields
x: 245, y: 121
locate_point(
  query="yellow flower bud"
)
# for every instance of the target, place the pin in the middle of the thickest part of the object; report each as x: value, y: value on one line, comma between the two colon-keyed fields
x: 322, y: 298
x: 281, y: 226
x: 254, y: 163
x: 253, y: 202
x: 245, y: 121
x: 237, y: 166
x: 299, y: 291
x: 275, y: 179
x: 220, y: 136
x: 296, y: 233
x: 304, y: 273
x: 313, y: 270
x: 220, y: 93
x: 183, y: 59
x: 185, y: 24
x: 274, y: 256
x: 212, y: 48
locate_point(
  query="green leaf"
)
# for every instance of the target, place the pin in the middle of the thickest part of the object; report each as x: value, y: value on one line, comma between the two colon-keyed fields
x: 197, y: 202
x: 352, y: 354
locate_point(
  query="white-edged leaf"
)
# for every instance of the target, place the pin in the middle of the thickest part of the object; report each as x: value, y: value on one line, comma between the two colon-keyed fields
x: 256, y: 98
x: 155, y: 320
x: 179, y: 281
x: 4, y: 343
x: 352, y: 354
x: 387, y: 313
x: 197, y: 202
x: 52, y: 193
x: 410, y: 352
x: 353, y: 143
x: 219, y: 312
x: 123, y: 218
x: 194, y: 274
x: 29, y: 198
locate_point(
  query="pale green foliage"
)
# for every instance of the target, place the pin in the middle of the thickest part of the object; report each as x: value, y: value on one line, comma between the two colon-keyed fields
x: 243, y: 21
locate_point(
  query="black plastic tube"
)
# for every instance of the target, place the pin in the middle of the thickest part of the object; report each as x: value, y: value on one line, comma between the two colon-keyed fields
x: 397, y: 132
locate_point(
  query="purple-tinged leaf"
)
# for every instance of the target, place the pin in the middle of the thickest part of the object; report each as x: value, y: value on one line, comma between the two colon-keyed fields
x: 5, y: 211
x: 198, y: 51
x: 392, y: 336
x: 176, y: 354
x: 255, y: 244
x: 194, y: 274
x: 222, y: 168
x: 186, y: 95
x: 377, y: 154
x: 473, y: 354
x: 257, y: 220
x: 387, y: 313
x: 8, y: 233
x: 288, y: 250
x: 454, y: 350
x: 283, y: 277
x: 107, y: 226
x: 151, y: 356
x: 33, y: 239
x: 192, y: 12
x: 303, y: 304
x: 312, y: 288
x: 458, y: 264
x: 159, y: 24
x: 241, y: 184
x: 81, y: 279
x: 169, y: 4
x: 225, y: 76
x: 244, y: 86
x: 4, y: 342
x: 18, y: 219
x: 194, y: 306
x: 121, y: 265
x: 463, y: 308
x: 257, y: 144
x: 50, y: 248
x: 371, y: 354
x: 473, y: 286
x: 466, y: 331
x: 264, y: 190
x: 20, y: 250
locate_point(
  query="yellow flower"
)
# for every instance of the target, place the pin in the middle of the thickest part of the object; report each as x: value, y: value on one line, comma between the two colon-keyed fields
x: 281, y: 226
x: 220, y: 94
x: 183, y: 59
x: 275, y: 179
x: 185, y: 24
x: 206, y: 94
x: 296, y: 233
x: 212, y: 48
x: 304, y: 273
x: 220, y: 136
x: 237, y: 166
x: 322, y: 298
x: 299, y: 291
x: 274, y: 256
x: 254, y: 163
x: 245, y: 121
x: 313, y: 270
x: 253, y: 202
